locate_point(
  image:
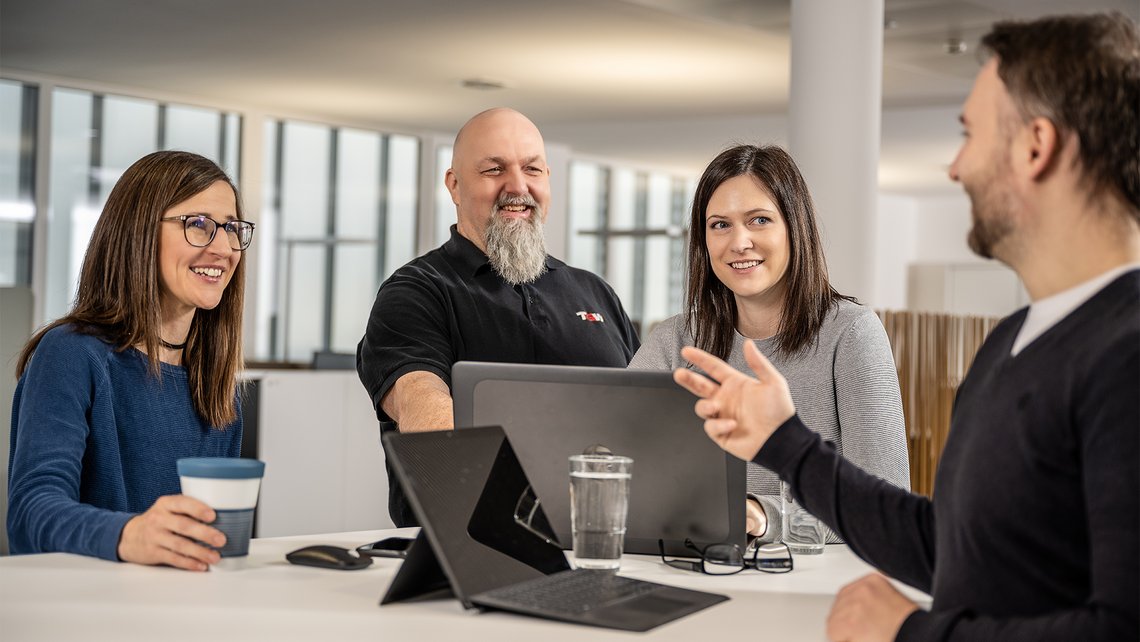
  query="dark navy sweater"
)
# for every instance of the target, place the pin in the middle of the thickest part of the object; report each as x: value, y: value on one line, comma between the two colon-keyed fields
x: 1034, y: 529
x: 94, y: 442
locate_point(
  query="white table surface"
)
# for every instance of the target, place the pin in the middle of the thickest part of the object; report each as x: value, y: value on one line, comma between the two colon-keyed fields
x: 67, y: 597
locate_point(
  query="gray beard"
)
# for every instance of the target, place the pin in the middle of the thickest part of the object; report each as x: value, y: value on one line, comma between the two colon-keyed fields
x: 516, y: 248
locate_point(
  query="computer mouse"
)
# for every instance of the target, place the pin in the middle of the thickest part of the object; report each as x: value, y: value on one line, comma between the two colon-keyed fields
x: 325, y: 556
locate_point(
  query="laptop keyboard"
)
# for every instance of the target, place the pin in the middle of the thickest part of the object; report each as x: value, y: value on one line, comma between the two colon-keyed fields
x: 571, y: 592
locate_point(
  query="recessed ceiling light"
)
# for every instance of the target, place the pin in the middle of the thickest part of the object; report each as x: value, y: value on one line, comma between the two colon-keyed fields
x: 482, y: 84
x: 955, y: 46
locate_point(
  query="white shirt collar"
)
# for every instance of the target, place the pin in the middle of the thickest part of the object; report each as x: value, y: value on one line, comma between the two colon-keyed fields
x: 1045, y: 314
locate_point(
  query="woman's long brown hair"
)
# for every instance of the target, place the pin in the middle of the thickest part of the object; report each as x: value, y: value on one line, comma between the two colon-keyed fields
x: 119, y: 287
x: 710, y: 307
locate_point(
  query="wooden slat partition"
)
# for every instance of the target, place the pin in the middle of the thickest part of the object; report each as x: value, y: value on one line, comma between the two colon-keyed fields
x: 932, y: 354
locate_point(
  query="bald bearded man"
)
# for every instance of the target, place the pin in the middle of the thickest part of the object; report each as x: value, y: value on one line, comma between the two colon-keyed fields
x: 490, y: 293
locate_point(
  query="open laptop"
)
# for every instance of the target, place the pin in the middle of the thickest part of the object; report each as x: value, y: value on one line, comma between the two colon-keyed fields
x: 683, y: 484
x: 466, y: 488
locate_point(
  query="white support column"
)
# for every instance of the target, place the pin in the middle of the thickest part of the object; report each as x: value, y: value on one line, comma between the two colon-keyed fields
x: 42, y: 195
x: 557, y: 228
x: 430, y: 176
x: 251, y: 177
x: 834, y: 118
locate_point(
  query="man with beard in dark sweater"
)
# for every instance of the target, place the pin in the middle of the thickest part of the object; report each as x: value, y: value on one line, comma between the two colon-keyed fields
x: 1034, y: 529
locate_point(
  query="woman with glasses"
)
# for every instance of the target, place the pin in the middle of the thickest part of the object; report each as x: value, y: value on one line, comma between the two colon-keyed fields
x: 141, y: 372
x: 756, y: 273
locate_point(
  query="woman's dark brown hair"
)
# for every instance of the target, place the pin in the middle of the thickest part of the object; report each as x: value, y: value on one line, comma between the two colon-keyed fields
x: 710, y: 307
x: 119, y: 288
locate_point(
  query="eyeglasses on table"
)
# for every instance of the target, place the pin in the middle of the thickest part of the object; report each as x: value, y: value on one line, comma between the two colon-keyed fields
x: 728, y: 559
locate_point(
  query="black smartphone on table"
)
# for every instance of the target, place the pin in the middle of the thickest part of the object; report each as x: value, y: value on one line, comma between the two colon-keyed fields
x: 387, y: 547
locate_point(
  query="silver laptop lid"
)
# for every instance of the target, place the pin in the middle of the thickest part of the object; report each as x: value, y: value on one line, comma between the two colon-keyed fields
x: 683, y: 485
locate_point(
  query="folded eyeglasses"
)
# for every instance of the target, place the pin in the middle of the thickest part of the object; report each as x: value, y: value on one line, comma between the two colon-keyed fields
x: 728, y: 559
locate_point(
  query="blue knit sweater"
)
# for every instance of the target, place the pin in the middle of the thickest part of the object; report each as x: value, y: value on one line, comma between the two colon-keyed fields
x: 94, y: 442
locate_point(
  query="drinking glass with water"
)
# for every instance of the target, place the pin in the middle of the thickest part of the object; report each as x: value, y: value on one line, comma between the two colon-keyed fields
x: 599, y: 501
x: 801, y: 531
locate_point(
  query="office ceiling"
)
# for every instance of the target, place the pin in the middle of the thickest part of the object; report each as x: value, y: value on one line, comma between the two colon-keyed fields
x: 665, y: 83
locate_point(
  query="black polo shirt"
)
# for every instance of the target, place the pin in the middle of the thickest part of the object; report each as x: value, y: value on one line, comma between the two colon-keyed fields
x: 449, y: 305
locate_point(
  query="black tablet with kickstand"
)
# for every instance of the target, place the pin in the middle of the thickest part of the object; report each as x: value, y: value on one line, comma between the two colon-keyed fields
x: 466, y: 488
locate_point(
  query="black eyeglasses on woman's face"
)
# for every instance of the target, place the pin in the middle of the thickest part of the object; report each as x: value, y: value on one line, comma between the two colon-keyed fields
x: 200, y: 230
x: 727, y: 559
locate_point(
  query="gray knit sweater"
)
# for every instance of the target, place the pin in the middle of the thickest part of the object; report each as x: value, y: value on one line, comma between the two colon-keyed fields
x: 845, y: 388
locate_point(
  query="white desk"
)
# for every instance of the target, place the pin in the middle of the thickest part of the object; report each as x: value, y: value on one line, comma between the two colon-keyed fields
x: 67, y: 597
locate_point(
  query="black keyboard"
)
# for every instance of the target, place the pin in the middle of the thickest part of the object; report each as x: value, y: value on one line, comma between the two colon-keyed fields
x: 571, y: 592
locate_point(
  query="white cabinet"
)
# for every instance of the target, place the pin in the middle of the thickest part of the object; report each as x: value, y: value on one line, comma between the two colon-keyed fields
x: 324, y: 468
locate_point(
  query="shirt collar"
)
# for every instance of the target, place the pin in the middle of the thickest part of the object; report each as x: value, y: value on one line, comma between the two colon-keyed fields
x: 1045, y: 313
x: 473, y: 259
x: 465, y: 252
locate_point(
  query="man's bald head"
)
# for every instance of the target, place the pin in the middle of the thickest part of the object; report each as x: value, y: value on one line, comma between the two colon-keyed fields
x: 494, y: 128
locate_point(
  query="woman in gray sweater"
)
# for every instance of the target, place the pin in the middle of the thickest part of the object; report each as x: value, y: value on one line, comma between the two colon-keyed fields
x: 756, y: 272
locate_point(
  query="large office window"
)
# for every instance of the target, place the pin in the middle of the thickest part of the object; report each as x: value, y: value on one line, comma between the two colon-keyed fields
x: 94, y: 138
x: 629, y: 226
x: 17, y: 181
x: 340, y: 216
